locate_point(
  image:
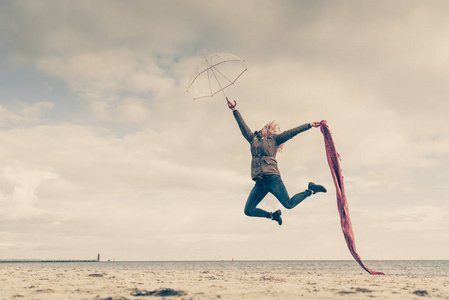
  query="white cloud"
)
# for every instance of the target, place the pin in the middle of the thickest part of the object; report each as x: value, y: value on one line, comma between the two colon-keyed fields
x: 20, y: 199
x: 105, y: 74
x: 22, y: 113
x: 129, y: 109
x: 416, y: 219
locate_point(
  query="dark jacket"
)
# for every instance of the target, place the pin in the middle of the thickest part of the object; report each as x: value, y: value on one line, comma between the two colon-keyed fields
x: 263, y: 150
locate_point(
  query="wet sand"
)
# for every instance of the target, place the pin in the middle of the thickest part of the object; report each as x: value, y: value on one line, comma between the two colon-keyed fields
x: 49, y: 283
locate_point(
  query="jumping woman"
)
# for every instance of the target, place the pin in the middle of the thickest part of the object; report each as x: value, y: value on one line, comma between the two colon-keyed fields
x: 264, y: 170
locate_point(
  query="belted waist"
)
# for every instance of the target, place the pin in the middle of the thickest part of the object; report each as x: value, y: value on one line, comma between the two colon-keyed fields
x: 260, y: 156
x: 263, y: 165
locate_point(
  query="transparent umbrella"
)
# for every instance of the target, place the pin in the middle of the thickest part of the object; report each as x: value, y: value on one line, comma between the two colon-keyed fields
x: 214, y: 73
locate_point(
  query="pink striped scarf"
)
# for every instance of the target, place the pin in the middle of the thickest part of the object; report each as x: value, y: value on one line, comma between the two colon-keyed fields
x: 333, y: 158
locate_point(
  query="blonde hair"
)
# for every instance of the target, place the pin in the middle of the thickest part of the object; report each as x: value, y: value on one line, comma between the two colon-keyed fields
x: 273, y: 128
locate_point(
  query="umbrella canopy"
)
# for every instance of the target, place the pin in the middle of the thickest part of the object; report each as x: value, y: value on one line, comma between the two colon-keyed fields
x: 214, y: 73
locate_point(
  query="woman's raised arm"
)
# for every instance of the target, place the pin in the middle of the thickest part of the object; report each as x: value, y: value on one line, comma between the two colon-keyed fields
x: 246, y: 132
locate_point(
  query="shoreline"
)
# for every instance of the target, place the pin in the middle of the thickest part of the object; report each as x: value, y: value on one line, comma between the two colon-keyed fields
x: 396, y: 268
x: 102, y: 284
x: 12, y: 261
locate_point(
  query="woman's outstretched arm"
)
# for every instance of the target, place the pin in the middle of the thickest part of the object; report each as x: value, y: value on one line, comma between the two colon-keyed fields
x: 246, y: 132
x: 286, y: 135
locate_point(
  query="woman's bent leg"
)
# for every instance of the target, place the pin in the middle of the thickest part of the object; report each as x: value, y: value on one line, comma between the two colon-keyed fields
x: 257, y: 194
x: 298, y: 198
x: 277, y: 188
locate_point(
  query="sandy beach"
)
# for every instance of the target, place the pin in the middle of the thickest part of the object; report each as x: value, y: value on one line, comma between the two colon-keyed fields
x: 49, y: 283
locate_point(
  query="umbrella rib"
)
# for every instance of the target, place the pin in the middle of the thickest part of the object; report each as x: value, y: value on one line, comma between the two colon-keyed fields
x: 233, y: 81
x: 210, y: 67
x: 221, y: 89
x: 208, y: 80
x: 221, y: 75
x: 213, y: 94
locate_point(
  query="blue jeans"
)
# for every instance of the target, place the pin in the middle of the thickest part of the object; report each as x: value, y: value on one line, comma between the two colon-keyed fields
x: 274, y: 185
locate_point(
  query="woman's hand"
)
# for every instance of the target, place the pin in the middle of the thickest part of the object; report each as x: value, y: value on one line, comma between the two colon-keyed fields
x: 230, y: 105
x: 315, y: 124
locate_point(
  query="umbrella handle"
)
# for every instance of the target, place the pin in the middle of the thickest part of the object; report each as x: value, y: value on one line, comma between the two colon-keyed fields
x: 230, y: 105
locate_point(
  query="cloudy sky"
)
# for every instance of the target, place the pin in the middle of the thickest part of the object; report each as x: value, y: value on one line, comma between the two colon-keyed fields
x: 103, y: 151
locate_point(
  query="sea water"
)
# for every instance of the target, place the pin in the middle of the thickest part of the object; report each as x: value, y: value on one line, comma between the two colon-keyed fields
x: 432, y: 268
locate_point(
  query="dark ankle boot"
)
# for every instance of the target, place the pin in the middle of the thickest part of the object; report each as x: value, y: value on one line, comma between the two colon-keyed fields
x: 315, y: 188
x: 276, y: 216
